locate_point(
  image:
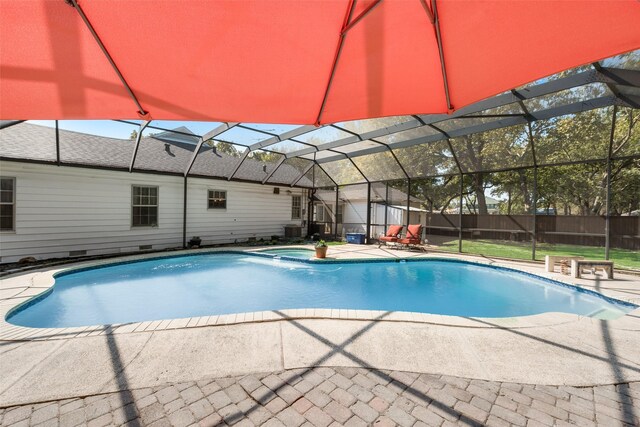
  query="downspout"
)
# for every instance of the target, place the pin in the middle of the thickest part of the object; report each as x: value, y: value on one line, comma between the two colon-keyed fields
x: 310, y: 196
x: 460, y: 213
x: 368, y: 230
x: 335, y: 216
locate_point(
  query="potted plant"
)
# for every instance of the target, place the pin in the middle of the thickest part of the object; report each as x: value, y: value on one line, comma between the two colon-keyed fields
x: 195, y: 242
x: 321, y: 249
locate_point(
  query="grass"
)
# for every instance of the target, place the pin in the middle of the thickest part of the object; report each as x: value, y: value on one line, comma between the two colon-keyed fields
x: 516, y: 250
x: 336, y: 243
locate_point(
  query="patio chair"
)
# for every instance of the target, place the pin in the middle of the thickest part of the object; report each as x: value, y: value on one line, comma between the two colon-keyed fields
x: 413, y: 237
x: 392, y: 235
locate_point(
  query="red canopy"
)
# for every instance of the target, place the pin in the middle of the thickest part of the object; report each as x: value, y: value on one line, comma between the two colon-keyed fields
x: 285, y: 61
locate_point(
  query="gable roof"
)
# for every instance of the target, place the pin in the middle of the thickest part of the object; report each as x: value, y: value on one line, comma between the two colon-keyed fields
x: 174, y: 136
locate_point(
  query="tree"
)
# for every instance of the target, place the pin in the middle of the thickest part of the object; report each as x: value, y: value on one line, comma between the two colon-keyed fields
x: 581, y: 188
x: 496, y: 149
x: 226, y: 148
x: 265, y: 156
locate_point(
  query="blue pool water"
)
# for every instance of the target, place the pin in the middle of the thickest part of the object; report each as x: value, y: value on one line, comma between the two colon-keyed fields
x: 191, y: 286
x: 291, y: 252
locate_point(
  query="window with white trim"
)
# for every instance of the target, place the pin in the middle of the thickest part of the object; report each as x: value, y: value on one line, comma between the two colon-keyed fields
x: 7, y: 204
x: 144, y: 206
x: 296, y: 207
x: 217, y: 199
x: 321, y: 213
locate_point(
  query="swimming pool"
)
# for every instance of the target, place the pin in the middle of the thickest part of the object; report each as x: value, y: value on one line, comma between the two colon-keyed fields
x: 290, y: 252
x: 224, y: 283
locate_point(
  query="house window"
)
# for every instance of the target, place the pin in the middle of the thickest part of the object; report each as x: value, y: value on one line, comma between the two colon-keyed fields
x: 144, y: 206
x: 296, y: 207
x: 319, y: 212
x: 7, y: 204
x: 217, y: 199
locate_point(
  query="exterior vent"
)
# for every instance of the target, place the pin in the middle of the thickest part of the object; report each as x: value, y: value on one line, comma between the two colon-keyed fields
x: 276, y: 190
x: 77, y: 253
x: 145, y: 247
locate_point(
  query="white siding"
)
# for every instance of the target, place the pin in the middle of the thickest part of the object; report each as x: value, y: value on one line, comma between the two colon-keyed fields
x: 394, y: 215
x: 355, y: 217
x: 63, y: 209
x: 252, y: 211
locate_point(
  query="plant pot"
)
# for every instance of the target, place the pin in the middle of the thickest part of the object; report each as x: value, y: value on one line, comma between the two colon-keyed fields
x: 321, y: 252
x: 194, y: 243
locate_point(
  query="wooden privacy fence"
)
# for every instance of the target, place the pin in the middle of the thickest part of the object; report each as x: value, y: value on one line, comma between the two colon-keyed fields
x: 570, y: 230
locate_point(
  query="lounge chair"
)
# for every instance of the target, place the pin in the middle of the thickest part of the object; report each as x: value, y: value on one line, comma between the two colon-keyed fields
x: 413, y: 236
x: 392, y: 235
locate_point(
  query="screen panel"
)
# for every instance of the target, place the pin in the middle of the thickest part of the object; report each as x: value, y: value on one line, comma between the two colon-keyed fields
x: 626, y: 141
x: 257, y: 165
x: 217, y: 159
x: 290, y: 170
x: 494, y: 150
x: 353, y: 199
x: 101, y: 143
x: 431, y: 159
x: 343, y: 172
x: 573, y: 138
x: 319, y: 177
x: 379, y: 166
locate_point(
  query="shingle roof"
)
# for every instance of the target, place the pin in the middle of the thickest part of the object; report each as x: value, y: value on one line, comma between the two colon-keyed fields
x: 158, y: 153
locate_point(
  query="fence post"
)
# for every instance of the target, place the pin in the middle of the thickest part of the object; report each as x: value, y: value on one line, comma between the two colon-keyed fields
x: 460, y: 214
x: 607, y: 221
x: 335, y: 216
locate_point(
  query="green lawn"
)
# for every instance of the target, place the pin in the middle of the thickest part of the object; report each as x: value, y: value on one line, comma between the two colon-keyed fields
x: 504, y: 249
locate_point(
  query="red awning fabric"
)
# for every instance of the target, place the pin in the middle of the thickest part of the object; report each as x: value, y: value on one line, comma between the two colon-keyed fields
x: 285, y: 61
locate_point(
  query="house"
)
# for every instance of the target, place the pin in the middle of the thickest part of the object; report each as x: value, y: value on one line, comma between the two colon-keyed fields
x: 80, y: 198
x: 352, y: 209
x: 471, y: 206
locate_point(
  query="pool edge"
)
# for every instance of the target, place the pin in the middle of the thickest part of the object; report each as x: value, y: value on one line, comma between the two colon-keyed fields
x: 11, y: 332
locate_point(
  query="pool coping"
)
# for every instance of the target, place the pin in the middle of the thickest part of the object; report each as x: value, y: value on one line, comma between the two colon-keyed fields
x: 41, y: 283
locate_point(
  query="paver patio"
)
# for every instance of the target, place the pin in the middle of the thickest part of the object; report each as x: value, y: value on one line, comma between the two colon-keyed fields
x: 341, y: 396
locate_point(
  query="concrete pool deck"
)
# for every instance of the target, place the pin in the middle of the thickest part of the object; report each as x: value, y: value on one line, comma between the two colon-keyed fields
x: 547, y: 349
